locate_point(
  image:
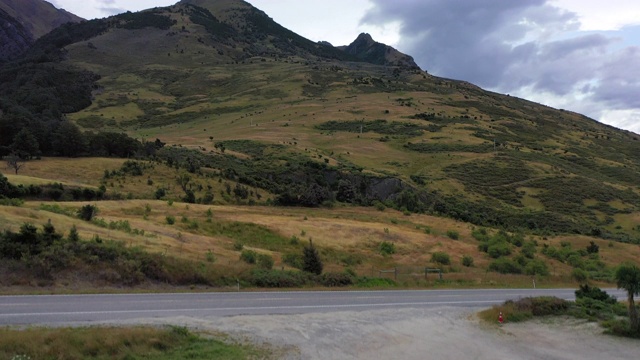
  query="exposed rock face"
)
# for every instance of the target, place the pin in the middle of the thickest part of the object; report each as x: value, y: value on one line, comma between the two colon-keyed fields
x: 14, y: 38
x: 366, y: 49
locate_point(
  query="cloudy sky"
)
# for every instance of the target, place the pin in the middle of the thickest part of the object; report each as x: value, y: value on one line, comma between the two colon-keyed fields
x: 580, y: 55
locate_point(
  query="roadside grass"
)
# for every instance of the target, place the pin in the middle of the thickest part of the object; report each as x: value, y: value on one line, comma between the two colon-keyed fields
x: 121, y: 343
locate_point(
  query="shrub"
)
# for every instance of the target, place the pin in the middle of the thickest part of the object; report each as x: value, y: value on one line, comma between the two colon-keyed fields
x: 248, y: 256
x: 536, y: 267
x: 333, y: 279
x: 467, y: 261
x: 279, y: 279
x: 265, y: 261
x: 499, y: 249
x: 387, y: 248
x: 210, y: 257
x: 293, y: 260
x: 453, y: 234
x: 237, y: 246
x: 595, y: 293
x: 170, y: 220
x: 87, y: 212
x: 579, y: 275
x: 505, y: 266
x: 441, y: 258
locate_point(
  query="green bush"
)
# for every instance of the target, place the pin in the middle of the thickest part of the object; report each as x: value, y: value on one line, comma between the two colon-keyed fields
x: 87, y: 212
x: 170, y: 220
x: 293, y: 260
x: 536, y: 267
x: 467, y: 261
x: 579, y: 275
x: 594, y: 292
x: 505, y: 266
x: 249, y: 256
x: 387, y: 248
x: 441, y: 258
x: 367, y: 282
x: 265, y: 261
x: 279, y: 279
x: 453, y: 234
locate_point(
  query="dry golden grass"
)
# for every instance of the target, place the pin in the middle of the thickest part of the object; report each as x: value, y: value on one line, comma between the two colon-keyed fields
x: 349, y: 230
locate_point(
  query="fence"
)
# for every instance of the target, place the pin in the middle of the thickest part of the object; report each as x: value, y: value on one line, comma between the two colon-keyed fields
x: 413, y: 272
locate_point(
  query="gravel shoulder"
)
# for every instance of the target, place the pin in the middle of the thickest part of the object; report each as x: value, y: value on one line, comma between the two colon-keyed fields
x: 425, y: 333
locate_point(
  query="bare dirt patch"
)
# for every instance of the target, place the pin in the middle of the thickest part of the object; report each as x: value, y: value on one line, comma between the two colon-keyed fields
x: 431, y: 333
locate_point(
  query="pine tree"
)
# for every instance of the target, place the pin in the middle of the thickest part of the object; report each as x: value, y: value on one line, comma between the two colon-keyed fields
x: 311, y: 259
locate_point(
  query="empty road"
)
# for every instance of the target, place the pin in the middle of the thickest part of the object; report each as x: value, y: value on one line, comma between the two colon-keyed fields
x: 62, y: 309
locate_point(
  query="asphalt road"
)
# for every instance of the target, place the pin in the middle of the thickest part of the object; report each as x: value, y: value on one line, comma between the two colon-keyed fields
x: 64, y: 309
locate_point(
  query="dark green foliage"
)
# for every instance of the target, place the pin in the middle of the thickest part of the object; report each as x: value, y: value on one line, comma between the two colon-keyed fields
x: 467, y: 261
x: 536, y: 267
x: 279, y: 279
x: 87, y: 212
x: 46, y: 253
x: 144, y: 19
x: 441, y: 258
x: 204, y: 17
x: 311, y: 261
x: 387, y: 248
x: 595, y: 293
x: 293, y: 260
x: 593, y: 248
x: 264, y: 261
x: 249, y: 256
x: 505, y: 266
x: 452, y: 234
x: 628, y: 278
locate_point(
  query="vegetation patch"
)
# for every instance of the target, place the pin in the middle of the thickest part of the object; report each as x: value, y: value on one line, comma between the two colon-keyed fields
x: 119, y: 343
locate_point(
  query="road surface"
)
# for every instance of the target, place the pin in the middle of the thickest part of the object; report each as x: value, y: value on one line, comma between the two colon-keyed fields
x: 63, y: 309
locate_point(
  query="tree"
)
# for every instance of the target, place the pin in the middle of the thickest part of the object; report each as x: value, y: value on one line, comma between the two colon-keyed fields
x: 15, y: 162
x: 25, y: 145
x: 311, y: 259
x: 628, y: 278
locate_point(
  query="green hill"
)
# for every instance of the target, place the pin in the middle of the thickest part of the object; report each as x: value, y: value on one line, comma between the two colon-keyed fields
x: 238, y: 99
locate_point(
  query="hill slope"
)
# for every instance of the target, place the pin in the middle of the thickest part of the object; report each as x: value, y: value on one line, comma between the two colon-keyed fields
x: 37, y: 16
x: 253, y: 113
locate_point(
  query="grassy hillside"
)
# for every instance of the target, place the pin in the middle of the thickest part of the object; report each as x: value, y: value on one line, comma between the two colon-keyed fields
x: 380, y: 166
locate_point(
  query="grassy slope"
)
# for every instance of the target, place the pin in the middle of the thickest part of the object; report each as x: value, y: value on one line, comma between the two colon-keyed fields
x: 185, y: 88
x: 347, y: 236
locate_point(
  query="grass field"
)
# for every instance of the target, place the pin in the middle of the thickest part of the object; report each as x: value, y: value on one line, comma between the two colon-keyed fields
x: 121, y: 343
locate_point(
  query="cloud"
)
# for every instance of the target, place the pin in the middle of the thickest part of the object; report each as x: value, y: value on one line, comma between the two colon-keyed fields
x: 530, y: 48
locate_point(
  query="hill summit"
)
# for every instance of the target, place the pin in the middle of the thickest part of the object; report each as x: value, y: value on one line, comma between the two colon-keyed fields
x: 366, y: 49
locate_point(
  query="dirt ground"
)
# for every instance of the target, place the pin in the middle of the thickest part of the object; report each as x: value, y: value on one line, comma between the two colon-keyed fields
x: 431, y: 333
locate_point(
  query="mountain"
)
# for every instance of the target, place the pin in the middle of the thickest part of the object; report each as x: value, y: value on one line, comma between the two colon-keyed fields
x: 366, y: 49
x: 37, y: 16
x: 15, y: 39
x: 243, y: 98
x: 23, y: 21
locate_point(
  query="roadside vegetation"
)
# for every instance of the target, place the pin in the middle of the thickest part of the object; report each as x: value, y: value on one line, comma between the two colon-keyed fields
x: 592, y: 304
x: 121, y: 343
